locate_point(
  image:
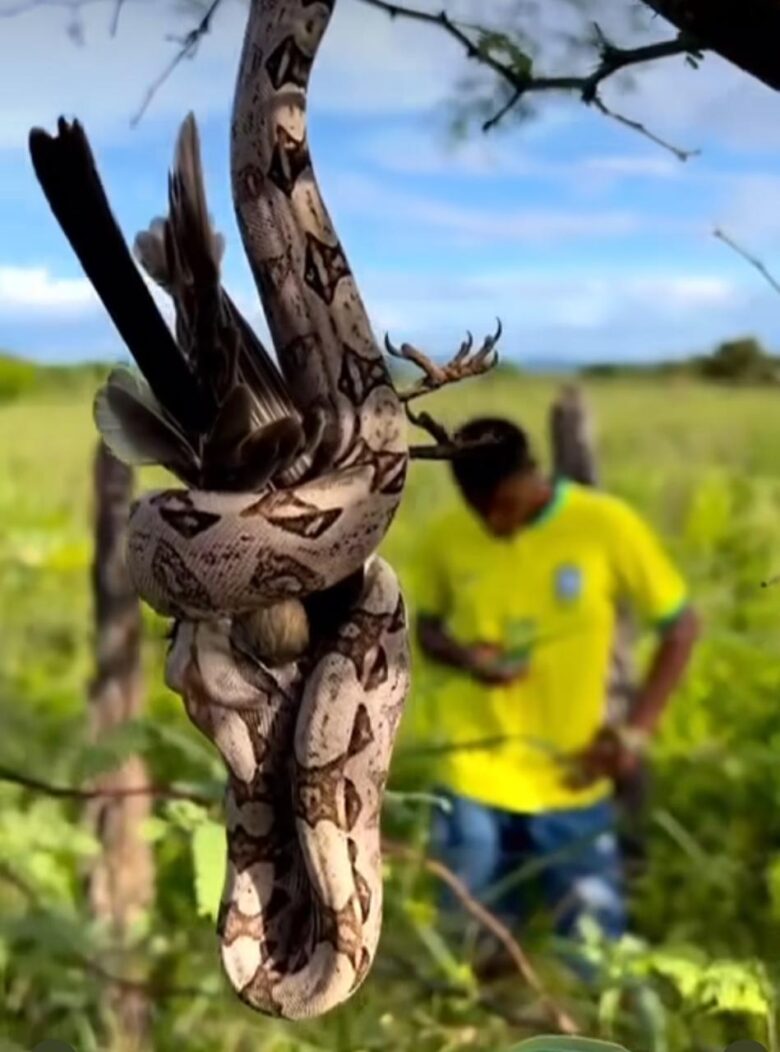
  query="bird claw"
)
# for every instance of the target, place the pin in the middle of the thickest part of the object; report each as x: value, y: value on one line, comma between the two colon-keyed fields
x: 464, y: 364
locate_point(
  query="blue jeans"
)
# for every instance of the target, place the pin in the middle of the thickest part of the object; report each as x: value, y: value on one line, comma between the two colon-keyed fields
x: 575, y: 853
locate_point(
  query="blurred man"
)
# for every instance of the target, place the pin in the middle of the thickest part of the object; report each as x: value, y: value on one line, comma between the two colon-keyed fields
x: 518, y: 593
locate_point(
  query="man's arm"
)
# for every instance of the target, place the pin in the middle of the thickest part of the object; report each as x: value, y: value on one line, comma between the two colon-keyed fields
x: 438, y: 645
x: 615, y: 751
x: 480, y: 660
x: 645, y: 575
x: 669, y: 663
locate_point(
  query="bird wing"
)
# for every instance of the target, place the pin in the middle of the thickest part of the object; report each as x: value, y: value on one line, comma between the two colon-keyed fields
x: 66, y: 170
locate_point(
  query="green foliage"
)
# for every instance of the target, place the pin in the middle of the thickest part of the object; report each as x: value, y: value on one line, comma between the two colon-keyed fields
x: 503, y: 48
x: 701, y: 461
x: 739, y: 362
x: 17, y: 377
x: 208, y: 858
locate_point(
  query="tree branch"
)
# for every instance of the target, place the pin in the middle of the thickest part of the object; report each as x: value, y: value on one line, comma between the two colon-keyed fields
x: 522, y: 83
x: 752, y: 260
x: 679, y: 153
x: 612, y: 59
x: 189, y: 45
x: 166, y: 792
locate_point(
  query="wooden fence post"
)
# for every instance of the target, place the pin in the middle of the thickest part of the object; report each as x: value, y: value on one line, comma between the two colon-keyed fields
x: 121, y: 881
x: 572, y: 437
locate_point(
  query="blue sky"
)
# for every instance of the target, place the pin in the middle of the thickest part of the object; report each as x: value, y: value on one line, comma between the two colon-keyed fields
x: 587, y: 240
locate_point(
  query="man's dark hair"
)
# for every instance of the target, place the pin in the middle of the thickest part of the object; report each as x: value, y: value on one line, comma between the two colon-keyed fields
x: 506, y: 452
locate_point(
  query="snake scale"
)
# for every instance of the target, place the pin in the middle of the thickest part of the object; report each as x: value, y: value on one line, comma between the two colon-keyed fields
x: 307, y: 745
x: 290, y: 645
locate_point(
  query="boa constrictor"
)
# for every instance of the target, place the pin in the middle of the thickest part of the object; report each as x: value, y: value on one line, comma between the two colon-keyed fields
x: 308, y: 744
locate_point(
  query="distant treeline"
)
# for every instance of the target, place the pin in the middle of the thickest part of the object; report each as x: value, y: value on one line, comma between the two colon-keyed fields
x: 20, y: 377
x: 742, y: 361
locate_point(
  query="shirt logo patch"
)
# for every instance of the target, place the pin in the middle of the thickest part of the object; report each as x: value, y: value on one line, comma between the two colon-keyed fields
x: 568, y: 582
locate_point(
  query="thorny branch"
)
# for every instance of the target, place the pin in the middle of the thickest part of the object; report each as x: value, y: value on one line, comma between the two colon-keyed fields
x: 392, y: 848
x: 445, y: 450
x: 612, y: 59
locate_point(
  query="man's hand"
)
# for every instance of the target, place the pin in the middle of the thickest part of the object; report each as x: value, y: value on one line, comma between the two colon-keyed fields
x: 485, y: 662
x: 609, y: 755
x: 488, y: 664
x: 615, y: 753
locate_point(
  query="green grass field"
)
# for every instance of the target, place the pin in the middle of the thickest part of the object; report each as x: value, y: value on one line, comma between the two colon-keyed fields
x: 703, y: 464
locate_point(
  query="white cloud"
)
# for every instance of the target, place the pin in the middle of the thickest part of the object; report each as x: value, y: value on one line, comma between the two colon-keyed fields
x: 562, y: 292
x: 415, y: 152
x: 566, y: 312
x: 25, y: 289
x: 645, y: 166
x: 524, y: 225
x: 103, y: 81
x: 28, y: 293
x: 561, y: 313
x: 412, y: 213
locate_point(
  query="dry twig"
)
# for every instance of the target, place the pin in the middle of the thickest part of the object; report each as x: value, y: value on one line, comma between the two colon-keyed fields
x: 491, y: 923
x: 752, y: 260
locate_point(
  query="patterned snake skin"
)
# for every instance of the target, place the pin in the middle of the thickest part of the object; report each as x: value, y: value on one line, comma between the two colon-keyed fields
x: 307, y: 743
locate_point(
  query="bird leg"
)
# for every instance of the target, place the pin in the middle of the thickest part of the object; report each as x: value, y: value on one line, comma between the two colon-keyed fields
x: 464, y: 364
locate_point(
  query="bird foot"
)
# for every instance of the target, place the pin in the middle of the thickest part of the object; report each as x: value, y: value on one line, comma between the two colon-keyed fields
x: 464, y: 364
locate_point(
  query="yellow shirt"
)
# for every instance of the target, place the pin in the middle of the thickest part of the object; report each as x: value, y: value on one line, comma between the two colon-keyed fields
x: 548, y: 592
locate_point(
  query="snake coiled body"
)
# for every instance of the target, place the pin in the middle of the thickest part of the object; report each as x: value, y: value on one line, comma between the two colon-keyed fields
x: 307, y: 743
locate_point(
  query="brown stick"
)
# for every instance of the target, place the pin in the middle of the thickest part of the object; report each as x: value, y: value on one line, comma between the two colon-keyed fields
x: 561, y: 1019
x: 121, y: 879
